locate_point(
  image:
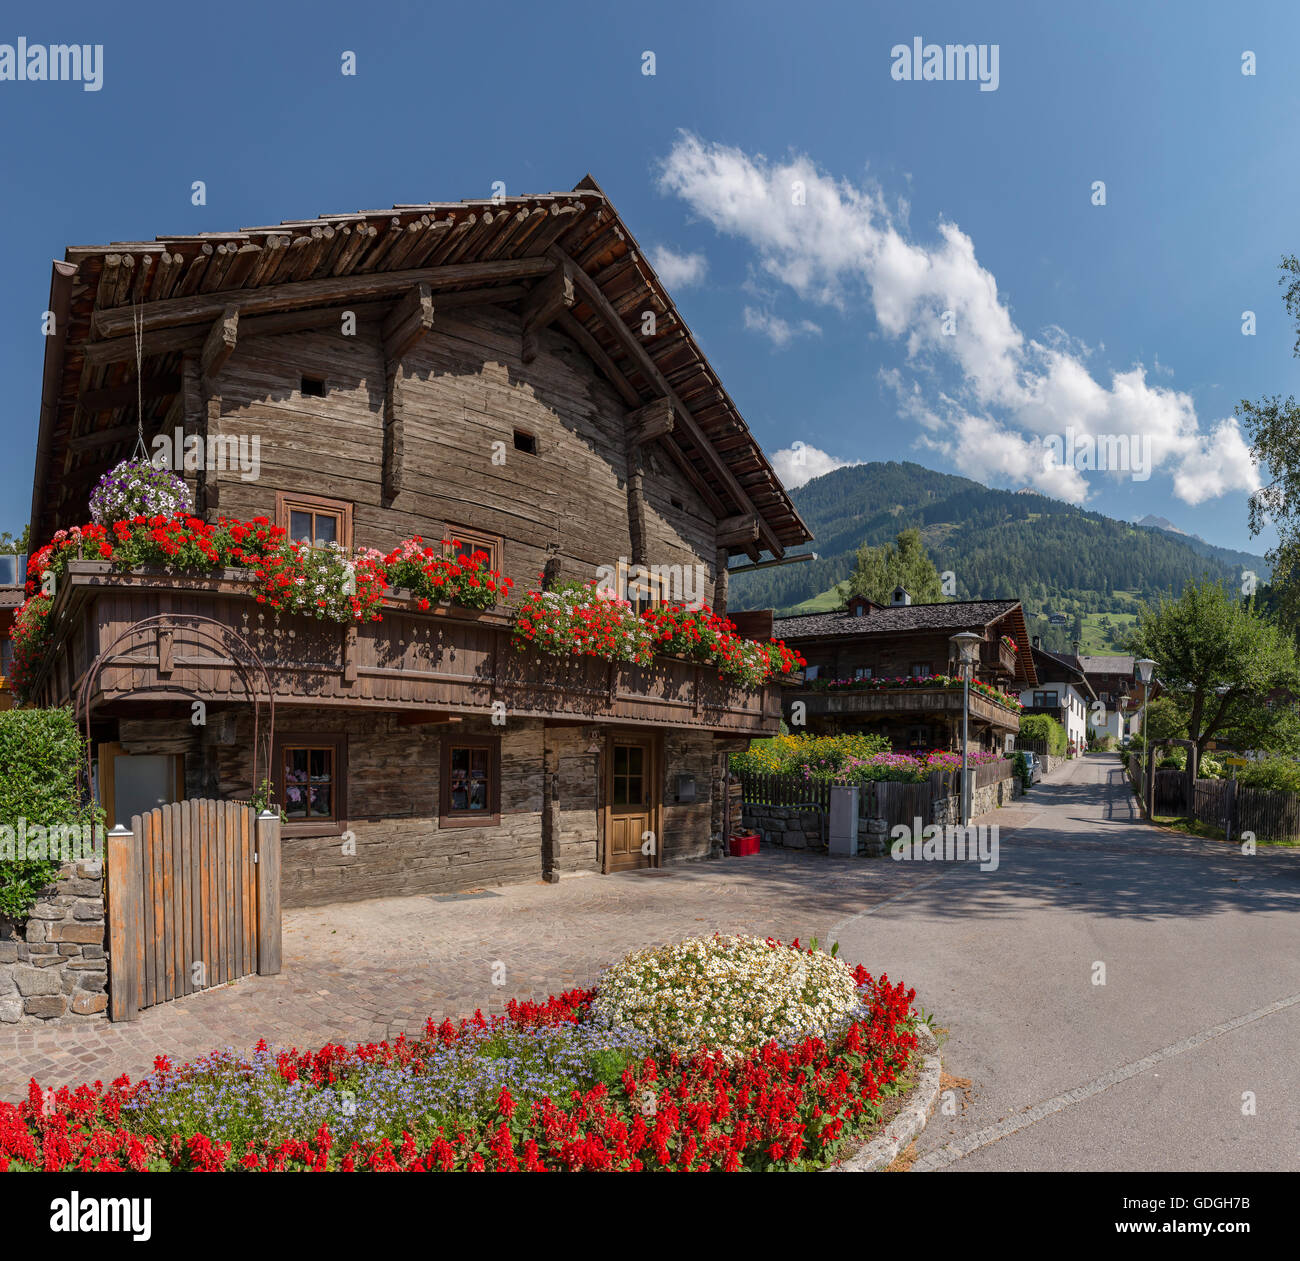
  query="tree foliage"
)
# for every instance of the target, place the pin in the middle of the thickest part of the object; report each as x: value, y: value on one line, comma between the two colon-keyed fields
x: 1165, y: 720
x: 1229, y: 670
x: 41, y: 752
x: 1045, y: 727
x: 902, y: 563
x: 1273, y: 426
x: 11, y: 546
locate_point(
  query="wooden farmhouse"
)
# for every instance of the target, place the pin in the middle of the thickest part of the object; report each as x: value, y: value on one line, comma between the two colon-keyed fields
x: 509, y: 373
x: 891, y: 669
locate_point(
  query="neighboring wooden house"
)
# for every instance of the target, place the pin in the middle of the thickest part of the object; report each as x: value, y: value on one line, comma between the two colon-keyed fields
x: 867, y: 664
x: 1114, y: 680
x: 1063, y: 692
x: 487, y: 370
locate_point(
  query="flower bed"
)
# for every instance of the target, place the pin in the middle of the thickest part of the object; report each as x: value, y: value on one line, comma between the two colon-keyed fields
x: 577, y: 620
x: 921, y: 681
x: 562, y: 1085
x: 806, y: 755
x: 914, y: 768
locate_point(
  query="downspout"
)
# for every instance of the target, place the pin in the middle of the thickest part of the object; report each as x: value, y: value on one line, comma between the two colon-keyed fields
x: 55, y: 345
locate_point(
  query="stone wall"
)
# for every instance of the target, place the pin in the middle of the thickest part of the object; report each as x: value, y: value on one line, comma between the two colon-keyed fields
x: 803, y: 827
x: 990, y: 797
x: 55, y: 968
x: 790, y: 827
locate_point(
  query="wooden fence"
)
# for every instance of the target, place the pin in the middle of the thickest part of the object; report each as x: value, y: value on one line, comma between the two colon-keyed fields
x: 193, y: 901
x: 1233, y: 808
x: 888, y: 799
x: 1024, y: 744
x: 784, y: 790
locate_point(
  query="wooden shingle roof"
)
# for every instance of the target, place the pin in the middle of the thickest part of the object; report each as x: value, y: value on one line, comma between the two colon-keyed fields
x: 896, y: 619
x: 953, y: 615
x: 469, y: 251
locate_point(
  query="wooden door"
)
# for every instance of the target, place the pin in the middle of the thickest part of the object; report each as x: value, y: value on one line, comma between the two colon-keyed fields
x: 632, y: 803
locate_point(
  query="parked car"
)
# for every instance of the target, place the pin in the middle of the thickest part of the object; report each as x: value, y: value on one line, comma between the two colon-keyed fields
x: 1035, y: 768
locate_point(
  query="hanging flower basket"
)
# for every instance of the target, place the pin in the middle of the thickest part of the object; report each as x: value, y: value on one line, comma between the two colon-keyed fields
x: 135, y: 488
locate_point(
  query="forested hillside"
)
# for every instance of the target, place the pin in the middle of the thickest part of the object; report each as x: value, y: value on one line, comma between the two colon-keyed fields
x: 998, y: 544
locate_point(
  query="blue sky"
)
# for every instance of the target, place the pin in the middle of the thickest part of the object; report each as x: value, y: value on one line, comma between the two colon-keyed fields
x: 824, y: 320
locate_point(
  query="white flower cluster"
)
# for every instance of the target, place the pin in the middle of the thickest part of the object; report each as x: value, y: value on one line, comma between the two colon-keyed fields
x: 137, y: 488
x: 731, y: 994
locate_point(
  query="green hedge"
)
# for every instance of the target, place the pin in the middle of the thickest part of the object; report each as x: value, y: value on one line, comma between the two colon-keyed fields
x: 1277, y: 773
x: 41, y: 752
x: 1045, y: 727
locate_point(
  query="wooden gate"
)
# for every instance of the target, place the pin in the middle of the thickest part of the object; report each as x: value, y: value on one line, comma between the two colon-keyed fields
x: 193, y: 901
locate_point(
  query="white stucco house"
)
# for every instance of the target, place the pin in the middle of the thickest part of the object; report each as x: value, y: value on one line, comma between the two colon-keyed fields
x: 1064, y: 693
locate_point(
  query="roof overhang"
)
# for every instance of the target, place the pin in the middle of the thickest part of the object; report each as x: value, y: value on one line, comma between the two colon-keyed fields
x: 282, y: 277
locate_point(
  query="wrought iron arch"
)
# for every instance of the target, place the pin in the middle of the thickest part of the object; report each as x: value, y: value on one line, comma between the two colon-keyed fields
x: 213, y: 634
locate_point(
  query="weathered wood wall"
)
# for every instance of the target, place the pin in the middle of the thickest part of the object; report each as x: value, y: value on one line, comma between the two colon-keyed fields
x: 393, y: 794
x: 463, y: 388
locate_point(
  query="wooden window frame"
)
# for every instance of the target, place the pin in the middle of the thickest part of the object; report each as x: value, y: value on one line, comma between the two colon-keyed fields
x: 448, y: 818
x: 106, y: 771
x: 492, y: 544
x: 313, y: 740
x: 287, y: 502
x: 919, y: 670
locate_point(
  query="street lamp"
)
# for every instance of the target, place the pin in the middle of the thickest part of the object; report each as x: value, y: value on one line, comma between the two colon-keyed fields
x: 1144, y: 669
x: 967, y: 645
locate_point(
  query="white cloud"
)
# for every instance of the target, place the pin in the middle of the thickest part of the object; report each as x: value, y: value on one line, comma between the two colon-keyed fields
x: 799, y: 463
x: 678, y: 271
x: 773, y: 326
x: 838, y: 245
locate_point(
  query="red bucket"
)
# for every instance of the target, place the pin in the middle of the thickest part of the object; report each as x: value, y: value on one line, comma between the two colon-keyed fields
x: 743, y: 844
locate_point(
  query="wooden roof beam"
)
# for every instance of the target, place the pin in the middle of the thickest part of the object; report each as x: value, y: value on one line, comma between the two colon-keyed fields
x: 411, y: 319
x: 220, y: 342
x: 654, y: 420
x: 167, y: 341
x: 550, y: 298
x: 112, y: 397
x: 172, y: 313
x: 740, y: 531
x: 594, y: 296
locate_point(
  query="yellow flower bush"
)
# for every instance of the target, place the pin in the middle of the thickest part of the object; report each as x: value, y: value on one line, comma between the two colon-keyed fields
x: 786, y: 755
x: 731, y: 994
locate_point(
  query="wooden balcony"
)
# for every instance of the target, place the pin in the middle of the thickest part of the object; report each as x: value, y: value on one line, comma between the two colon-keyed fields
x: 448, y: 660
x: 919, y: 703
x: 997, y: 660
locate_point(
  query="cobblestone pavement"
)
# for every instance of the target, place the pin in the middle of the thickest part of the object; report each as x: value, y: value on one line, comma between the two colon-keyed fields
x: 368, y: 970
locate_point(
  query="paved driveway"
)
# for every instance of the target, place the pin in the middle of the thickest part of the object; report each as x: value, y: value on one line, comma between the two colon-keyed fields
x: 368, y: 970
x: 1158, y: 1069
x: 1201, y: 1001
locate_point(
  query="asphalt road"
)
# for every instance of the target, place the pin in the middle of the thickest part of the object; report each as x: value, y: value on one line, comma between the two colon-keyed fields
x: 1184, y: 1059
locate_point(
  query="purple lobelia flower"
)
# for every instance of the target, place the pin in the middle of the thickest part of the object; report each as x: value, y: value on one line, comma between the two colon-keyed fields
x: 136, y: 488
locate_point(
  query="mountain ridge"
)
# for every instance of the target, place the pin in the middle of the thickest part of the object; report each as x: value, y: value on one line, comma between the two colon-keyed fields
x: 996, y: 544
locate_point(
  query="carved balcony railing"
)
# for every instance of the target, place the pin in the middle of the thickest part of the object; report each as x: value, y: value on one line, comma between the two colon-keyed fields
x: 447, y: 659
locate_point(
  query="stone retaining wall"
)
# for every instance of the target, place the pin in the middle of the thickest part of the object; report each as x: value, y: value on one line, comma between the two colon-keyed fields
x: 56, y: 967
x: 990, y: 797
x: 802, y: 827
x: 791, y: 827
